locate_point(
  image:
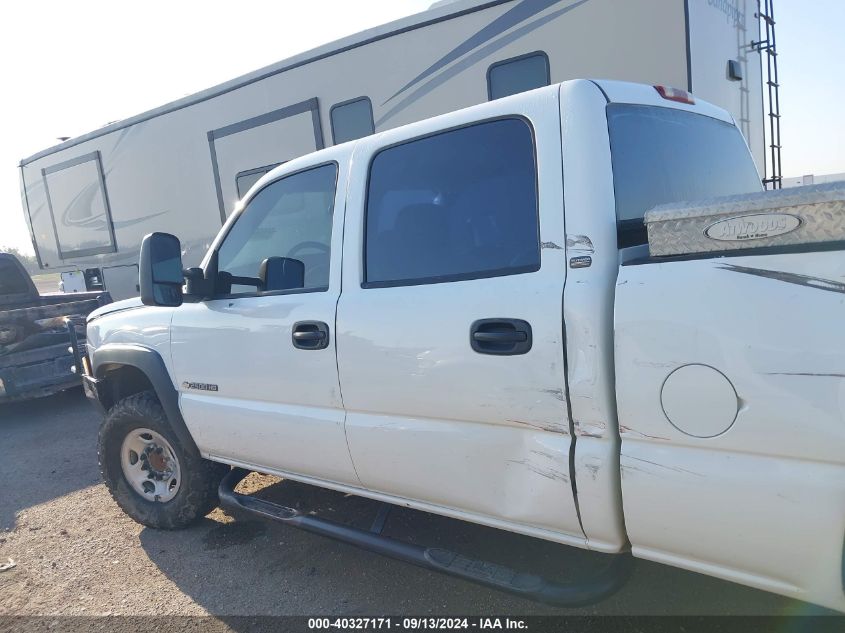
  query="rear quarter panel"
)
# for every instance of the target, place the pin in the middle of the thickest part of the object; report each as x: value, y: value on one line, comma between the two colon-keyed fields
x: 762, y: 501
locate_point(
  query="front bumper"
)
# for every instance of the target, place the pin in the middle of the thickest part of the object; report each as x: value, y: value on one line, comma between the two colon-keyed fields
x: 94, y: 391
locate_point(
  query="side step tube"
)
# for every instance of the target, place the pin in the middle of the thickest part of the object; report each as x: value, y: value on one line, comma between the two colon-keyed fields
x: 492, y: 575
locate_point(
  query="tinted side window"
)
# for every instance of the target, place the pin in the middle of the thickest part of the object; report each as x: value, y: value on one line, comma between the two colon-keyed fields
x: 457, y: 205
x: 513, y: 76
x: 291, y: 217
x: 351, y: 120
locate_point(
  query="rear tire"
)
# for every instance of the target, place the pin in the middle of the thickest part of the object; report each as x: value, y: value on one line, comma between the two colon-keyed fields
x: 151, y: 476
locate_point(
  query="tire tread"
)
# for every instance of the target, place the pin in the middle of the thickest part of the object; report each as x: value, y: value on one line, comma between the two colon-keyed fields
x: 197, y: 494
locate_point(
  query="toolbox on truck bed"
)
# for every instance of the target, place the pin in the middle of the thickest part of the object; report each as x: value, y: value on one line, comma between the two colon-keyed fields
x: 789, y: 217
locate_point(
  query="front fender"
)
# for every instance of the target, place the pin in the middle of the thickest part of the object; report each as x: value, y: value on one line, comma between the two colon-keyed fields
x: 151, y: 364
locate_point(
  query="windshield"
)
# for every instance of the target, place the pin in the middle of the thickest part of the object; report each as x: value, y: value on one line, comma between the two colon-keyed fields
x: 12, y: 280
x: 663, y: 155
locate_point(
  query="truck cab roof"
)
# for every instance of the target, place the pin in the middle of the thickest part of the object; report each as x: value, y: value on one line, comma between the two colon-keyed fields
x: 612, y: 90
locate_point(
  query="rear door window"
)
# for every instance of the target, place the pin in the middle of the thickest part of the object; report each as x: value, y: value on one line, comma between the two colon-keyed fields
x: 662, y: 155
x: 457, y: 205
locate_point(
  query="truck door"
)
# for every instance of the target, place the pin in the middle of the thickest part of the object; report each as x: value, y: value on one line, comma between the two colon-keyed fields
x: 450, y: 323
x: 256, y: 366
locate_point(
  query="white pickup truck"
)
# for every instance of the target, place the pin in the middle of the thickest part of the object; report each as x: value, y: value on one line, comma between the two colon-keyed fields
x: 462, y: 316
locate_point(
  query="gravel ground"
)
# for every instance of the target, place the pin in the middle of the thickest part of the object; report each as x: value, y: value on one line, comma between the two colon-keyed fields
x: 76, y: 553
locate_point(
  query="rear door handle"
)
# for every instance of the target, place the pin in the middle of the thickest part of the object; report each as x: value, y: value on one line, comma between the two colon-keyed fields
x: 500, y: 337
x: 310, y: 335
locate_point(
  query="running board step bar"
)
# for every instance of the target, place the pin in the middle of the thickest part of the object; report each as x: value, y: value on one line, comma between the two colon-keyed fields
x: 530, y: 586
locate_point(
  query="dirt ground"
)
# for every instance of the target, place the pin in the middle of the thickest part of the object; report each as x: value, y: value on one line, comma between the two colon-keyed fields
x: 76, y: 553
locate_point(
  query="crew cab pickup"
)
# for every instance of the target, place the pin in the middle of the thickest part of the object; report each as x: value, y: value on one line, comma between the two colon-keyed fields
x: 36, y: 332
x: 463, y: 316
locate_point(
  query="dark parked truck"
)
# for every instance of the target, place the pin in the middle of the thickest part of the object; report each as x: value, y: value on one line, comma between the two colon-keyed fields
x: 36, y: 331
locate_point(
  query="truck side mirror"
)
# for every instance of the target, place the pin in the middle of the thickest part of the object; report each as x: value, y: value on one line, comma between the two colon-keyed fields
x: 160, y: 270
x: 281, y: 273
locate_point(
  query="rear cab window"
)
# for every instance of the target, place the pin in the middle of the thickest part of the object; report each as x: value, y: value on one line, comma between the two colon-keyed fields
x: 460, y: 204
x: 662, y: 155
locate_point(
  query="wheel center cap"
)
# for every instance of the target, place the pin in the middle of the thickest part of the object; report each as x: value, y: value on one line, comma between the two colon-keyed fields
x: 158, y: 462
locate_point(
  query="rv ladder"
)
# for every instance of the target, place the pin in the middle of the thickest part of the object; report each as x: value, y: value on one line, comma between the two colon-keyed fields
x: 765, y: 12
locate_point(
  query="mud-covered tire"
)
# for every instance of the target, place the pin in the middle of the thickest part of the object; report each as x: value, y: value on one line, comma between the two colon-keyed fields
x: 197, y: 493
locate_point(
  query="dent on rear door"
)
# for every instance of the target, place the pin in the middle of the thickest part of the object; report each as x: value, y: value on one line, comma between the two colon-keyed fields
x: 482, y: 436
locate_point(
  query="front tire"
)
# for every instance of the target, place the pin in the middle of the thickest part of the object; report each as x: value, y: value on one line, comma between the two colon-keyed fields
x: 151, y: 476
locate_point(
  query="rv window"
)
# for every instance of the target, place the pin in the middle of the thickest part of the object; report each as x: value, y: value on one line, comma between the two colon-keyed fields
x: 245, y: 179
x: 291, y: 217
x: 457, y: 205
x: 512, y: 76
x: 352, y: 119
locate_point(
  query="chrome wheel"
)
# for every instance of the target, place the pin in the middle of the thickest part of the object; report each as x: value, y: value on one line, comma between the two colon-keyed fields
x: 150, y: 465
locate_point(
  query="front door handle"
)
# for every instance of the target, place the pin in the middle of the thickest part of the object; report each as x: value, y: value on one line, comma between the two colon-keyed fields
x: 310, y: 335
x: 500, y: 337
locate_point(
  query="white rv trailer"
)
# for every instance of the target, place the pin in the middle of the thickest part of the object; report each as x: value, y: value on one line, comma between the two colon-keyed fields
x: 182, y: 167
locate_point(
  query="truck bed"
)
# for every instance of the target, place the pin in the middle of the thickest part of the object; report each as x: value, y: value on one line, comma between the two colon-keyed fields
x: 34, y: 340
x: 730, y: 376
x: 47, y: 306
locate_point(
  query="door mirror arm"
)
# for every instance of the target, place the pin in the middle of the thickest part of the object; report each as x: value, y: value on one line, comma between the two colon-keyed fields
x: 197, y: 285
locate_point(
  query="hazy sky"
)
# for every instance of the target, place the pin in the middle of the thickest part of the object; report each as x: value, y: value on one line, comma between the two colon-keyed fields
x: 71, y: 67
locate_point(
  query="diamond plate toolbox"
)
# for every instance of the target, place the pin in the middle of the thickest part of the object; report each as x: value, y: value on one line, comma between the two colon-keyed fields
x: 801, y: 215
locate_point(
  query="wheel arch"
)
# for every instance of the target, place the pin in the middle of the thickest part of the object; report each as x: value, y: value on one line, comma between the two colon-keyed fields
x: 126, y: 369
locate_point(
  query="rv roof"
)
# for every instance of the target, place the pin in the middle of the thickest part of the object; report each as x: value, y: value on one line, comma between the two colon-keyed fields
x: 437, y: 12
